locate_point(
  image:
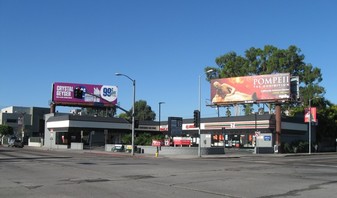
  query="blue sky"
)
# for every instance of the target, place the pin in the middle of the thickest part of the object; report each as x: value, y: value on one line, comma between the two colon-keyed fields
x: 163, y: 45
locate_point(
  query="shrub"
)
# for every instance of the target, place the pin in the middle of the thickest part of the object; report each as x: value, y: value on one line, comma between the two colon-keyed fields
x: 287, y: 148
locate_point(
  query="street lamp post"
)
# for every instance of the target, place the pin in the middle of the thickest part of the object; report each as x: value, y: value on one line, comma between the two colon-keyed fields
x: 199, y: 130
x: 133, y: 112
x: 160, y: 103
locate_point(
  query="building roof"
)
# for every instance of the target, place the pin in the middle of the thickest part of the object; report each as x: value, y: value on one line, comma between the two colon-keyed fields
x: 86, y: 118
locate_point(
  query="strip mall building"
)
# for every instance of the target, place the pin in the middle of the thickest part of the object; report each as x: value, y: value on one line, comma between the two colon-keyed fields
x: 68, y: 131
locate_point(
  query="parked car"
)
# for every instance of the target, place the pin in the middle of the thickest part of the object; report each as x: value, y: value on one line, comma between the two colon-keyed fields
x: 118, y: 148
x: 18, y: 143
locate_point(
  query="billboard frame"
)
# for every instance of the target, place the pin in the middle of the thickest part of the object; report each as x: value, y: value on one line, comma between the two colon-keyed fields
x: 84, y: 95
x: 269, y: 88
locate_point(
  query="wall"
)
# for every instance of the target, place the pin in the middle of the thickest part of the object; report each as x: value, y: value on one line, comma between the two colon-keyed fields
x: 182, y: 150
x: 48, y: 143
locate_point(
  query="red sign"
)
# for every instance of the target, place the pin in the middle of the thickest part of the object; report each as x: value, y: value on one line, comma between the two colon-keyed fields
x: 157, y: 142
x: 182, y: 141
x: 167, y: 142
x: 248, y: 89
x: 313, y: 113
x: 190, y: 126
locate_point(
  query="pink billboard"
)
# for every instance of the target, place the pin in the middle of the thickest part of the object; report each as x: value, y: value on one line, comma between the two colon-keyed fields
x: 84, y: 94
x: 248, y: 89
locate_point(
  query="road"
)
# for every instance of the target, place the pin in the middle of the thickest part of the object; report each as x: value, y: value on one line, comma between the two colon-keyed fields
x: 46, y: 173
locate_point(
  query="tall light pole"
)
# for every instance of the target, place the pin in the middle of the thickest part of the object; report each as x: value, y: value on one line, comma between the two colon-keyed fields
x: 160, y: 103
x: 199, y: 130
x: 133, y: 112
x: 310, y: 117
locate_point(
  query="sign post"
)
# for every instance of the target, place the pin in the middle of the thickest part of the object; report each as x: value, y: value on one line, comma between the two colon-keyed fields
x: 257, y: 135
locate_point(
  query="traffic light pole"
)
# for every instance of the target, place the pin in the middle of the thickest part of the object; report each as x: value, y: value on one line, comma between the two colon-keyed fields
x: 199, y: 113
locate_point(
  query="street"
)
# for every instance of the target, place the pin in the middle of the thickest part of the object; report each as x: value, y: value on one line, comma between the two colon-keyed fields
x: 30, y: 172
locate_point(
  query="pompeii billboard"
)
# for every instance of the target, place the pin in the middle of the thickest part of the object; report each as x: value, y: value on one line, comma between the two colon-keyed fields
x: 70, y: 94
x: 249, y: 89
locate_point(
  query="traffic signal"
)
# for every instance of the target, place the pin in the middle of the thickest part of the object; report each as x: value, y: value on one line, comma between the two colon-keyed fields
x: 196, y: 118
x: 78, y: 93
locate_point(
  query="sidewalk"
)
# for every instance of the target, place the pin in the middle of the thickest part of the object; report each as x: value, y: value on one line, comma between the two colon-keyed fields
x: 232, y: 154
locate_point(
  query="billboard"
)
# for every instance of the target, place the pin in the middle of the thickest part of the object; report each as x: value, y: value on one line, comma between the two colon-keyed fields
x: 71, y: 94
x: 249, y: 89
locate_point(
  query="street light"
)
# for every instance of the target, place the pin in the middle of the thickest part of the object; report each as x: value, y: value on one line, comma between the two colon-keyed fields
x: 133, y: 112
x: 160, y: 103
x: 199, y: 146
x: 310, y: 99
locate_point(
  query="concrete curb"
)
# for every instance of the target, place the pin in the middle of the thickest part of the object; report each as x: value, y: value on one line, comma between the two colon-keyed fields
x: 137, y: 155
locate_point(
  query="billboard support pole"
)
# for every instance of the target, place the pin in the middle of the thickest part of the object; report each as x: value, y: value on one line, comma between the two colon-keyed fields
x: 52, y: 107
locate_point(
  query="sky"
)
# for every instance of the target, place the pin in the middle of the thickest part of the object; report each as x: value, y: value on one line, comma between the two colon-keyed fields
x: 163, y: 45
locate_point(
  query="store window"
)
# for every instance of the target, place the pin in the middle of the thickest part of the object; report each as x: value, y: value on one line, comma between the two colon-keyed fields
x: 61, y: 138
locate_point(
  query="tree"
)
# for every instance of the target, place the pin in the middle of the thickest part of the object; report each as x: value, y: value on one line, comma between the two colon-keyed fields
x: 6, y: 130
x: 248, y: 109
x: 327, y: 127
x: 100, y: 111
x: 228, y: 112
x: 271, y: 60
x: 142, y: 112
x: 126, y: 139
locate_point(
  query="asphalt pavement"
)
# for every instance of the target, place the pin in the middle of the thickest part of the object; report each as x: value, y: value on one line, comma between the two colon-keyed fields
x: 229, y: 153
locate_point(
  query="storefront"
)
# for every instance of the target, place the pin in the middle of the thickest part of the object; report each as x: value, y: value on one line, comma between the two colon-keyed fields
x: 244, y: 132
x: 241, y: 132
x: 63, y: 130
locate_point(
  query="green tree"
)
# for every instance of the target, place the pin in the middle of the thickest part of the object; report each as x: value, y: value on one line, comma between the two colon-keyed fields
x: 6, y: 130
x: 142, y: 112
x: 126, y: 139
x: 100, y: 111
x: 248, y: 109
x: 228, y: 112
x: 327, y: 121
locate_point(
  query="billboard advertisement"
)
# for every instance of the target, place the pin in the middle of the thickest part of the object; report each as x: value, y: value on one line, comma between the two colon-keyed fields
x: 84, y: 94
x: 249, y: 89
